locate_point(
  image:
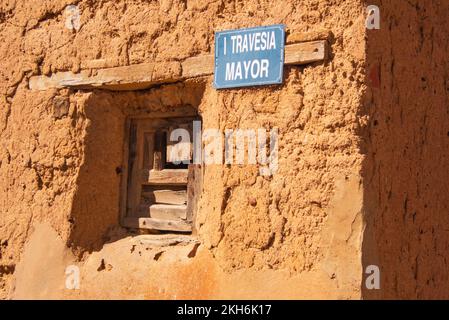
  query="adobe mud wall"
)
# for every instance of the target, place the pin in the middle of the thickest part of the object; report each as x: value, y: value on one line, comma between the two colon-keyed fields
x: 297, y: 234
x: 406, y: 170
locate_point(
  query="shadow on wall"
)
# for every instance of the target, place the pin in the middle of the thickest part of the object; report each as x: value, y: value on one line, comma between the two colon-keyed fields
x: 96, y: 202
x: 406, y: 171
x: 96, y: 206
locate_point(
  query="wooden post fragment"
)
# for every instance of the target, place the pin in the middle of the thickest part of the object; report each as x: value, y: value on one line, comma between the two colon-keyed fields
x: 194, y: 189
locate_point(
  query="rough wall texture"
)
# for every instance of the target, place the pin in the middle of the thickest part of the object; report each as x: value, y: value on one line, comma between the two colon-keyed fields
x: 260, y: 237
x: 407, y: 165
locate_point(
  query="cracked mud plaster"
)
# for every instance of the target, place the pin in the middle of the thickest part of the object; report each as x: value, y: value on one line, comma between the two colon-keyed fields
x: 53, y: 155
x: 261, y: 237
x: 406, y: 167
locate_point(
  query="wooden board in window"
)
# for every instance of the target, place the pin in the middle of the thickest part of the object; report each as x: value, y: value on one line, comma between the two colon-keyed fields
x: 158, y: 179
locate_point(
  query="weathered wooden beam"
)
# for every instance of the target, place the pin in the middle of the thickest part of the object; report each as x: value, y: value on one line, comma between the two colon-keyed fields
x: 295, y: 54
x: 145, y: 75
x: 168, y: 211
x: 131, y: 77
x: 166, y: 196
x: 198, y: 66
x: 157, y: 224
x: 165, y: 177
x: 305, y: 52
x: 165, y: 240
x: 194, y: 189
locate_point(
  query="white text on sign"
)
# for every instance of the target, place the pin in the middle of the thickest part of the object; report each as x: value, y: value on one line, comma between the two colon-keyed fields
x: 250, y: 69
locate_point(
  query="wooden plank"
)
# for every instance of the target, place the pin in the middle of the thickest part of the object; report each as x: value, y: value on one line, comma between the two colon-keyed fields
x: 295, y: 54
x: 131, y: 77
x: 124, y: 173
x: 198, y: 66
x: 165, y: 177
x: 135, y: 165
x: 165, y: 240
x: 306, y: 52
x: 157, y: 224
x: 145, y: 75
x: 148, y: 153
x: 168, y: 211
x: 194, y: 189
x: 166, y: 196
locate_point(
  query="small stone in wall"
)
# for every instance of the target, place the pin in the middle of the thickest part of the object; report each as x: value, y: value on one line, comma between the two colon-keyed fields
x: 61, y: 107
x: 252, y: 201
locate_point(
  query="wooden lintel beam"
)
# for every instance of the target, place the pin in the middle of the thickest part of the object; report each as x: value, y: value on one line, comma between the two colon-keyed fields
x: 145, y: 75
x: 126, y: 77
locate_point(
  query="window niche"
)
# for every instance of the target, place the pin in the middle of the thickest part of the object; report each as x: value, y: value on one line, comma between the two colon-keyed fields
x: 160, y: 190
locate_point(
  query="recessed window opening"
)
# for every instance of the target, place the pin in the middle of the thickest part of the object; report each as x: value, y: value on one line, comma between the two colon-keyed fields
x: 162, y: 184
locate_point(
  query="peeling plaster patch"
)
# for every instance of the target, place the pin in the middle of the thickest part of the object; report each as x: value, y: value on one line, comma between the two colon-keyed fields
x: 73, y: 21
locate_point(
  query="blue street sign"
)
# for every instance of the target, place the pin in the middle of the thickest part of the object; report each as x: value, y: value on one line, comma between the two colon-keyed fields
x: 249, y: 57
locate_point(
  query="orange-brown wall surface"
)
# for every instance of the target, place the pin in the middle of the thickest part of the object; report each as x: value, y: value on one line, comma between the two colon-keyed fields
x: 406, y: 169
x: 361, y: 158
